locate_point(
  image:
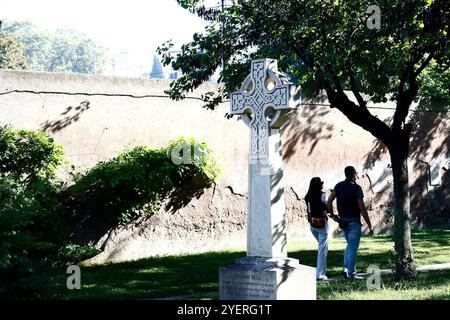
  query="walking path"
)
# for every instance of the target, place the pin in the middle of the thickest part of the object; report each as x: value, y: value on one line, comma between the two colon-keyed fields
x: 429, y: 267
x: 214, y: 294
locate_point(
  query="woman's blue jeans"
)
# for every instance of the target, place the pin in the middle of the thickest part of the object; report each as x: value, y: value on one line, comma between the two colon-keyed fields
x: 321, y: 235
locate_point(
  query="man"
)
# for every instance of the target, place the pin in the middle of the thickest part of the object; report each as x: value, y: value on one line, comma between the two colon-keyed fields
x: 350, y: 206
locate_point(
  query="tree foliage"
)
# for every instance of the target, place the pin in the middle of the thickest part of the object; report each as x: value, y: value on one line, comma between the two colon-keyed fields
x: 65, y: 50
x: 139, y: 180
x: 320, y: 44
x: 30, y: 218
x: 11, y: 53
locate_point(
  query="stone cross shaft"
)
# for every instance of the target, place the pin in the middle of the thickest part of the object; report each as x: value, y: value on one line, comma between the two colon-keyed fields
x: 262, y: 102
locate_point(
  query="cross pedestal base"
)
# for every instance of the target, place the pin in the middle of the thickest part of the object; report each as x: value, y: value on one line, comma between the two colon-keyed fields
x: 254, y: 278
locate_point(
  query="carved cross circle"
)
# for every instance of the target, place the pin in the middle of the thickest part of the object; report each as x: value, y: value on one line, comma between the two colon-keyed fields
x: 259, y: 106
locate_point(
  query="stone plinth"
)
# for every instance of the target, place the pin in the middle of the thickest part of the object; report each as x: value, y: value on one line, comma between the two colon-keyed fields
x: 253, y: 278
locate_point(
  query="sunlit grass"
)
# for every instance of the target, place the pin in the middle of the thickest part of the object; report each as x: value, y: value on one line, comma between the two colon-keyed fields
x: 430, y: 285
x: 430, y: 247
x: 197, y: 274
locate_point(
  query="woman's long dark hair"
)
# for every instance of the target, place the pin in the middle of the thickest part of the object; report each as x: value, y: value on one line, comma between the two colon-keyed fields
x: 315, y: 190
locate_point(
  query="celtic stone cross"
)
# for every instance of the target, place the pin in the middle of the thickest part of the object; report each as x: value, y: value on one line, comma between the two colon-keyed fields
x: 262, y: 102
x: 266, y: 273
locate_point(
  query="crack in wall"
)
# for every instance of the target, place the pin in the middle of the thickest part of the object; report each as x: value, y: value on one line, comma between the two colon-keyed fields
x: 234, y: 193
x: 296, y: 195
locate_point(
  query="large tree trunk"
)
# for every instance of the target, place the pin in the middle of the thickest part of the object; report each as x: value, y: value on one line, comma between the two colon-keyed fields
x: 396, y: 138
x: 405, y: 267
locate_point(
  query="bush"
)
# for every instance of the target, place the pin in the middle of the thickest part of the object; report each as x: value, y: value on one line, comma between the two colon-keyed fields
x: 73, y: 253
x: 137, y: 181
x: 31, y: 227
x: 190, y: 152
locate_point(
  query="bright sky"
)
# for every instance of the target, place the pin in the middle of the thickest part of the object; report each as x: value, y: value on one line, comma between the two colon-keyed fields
x: 137, y: 27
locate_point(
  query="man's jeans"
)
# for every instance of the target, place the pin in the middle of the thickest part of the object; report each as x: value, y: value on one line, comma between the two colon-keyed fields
x: 321, y: 235
x: 352, y: 235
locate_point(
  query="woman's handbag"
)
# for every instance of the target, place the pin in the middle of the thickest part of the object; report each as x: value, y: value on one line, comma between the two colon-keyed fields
x: 318, y: 222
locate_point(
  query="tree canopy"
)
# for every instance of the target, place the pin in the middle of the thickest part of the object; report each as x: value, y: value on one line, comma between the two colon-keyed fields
x: 320, y: 44
x: 11, y: 52
x: 64, y: 50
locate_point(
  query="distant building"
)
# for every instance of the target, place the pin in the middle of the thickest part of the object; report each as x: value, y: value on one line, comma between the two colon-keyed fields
x: 159, y: 72
x: 157, y: 69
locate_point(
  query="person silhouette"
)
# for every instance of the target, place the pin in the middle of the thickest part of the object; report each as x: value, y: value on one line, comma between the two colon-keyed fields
x: 316, y: 203
x: 350, y: 206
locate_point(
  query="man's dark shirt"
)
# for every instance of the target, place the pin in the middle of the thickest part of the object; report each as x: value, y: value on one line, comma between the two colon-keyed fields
x: 347, y: 195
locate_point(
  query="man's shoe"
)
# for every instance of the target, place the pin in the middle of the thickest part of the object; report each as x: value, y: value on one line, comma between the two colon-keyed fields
x: 322, y: 278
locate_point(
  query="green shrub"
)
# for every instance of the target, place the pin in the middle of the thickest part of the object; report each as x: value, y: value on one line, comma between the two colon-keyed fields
x: 31, y: 227
x: 137, y: 181
x: 33, y: 230
x: 27, y: 155
x: 73, y: 253
x: 199, y: 155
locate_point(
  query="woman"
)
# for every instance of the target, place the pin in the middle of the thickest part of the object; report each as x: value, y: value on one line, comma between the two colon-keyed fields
x: 316, y: 202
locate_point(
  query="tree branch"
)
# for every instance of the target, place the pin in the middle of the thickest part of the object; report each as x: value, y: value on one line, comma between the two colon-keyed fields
x: 406, y: 97
x: 335, y: 78
x: 359, y: 116
x: 355, y: 90
x: 308, y: 62
x: 404, y: 102
x: 424, y: 64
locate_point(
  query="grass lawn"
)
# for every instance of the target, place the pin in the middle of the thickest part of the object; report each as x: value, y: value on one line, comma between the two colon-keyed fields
x: 198, y: 273
x: 431, y: 246
x: 430, y: 285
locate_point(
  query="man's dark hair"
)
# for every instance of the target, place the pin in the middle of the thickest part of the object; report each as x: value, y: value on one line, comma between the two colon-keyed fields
x: 349, y: 171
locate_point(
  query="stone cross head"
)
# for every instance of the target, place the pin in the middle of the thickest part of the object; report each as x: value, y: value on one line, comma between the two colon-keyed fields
x: 262, y: 102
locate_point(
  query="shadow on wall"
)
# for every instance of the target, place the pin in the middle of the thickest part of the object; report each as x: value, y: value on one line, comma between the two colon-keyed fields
x: 186, y: 191
x: 376, y: 153
x: 443, y: 195
x: 432, y: 125
x: 69, y: 116
x: 87, y: 224
x: 430, y: 120
x: 280, y: 228
x: 306, y: 125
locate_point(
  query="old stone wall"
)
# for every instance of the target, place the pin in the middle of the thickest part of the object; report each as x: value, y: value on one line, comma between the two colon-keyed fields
x: 95, y: 117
